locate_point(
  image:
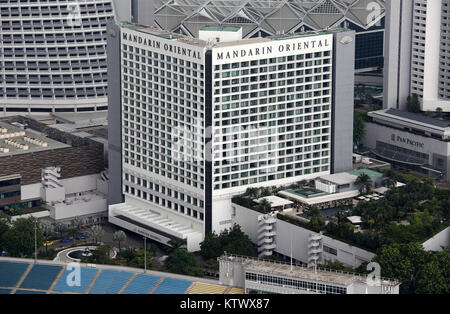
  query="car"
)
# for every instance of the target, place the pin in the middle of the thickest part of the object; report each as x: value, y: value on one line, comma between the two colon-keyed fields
x: 66, y: 240
x: 4, y: 254
x: 48, y: 243
x: 82, y: 237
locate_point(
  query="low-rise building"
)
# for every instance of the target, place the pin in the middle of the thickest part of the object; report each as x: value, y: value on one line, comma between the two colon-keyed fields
x: 410, y: 140
x: 261, y: 277
x: 45, y: 169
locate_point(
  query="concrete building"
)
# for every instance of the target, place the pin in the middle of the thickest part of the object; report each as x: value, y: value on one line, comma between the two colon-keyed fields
x: 267, y: 18
x: 135, y: 11
x: 44, y: 168
x: 417, y: 54
x: 53, y: 56
x: 411, y: 141
x: 203, y: 121
x: 269, y: 277
x: 274, y: 235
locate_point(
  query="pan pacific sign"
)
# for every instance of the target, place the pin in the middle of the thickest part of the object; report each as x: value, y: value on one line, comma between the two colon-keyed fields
x: 404, y: 140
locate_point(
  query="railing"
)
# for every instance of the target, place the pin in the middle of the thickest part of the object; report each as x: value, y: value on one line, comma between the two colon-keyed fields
x: 257, y: 259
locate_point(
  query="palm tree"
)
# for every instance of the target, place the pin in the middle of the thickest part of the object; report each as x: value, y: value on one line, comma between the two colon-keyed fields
x: 390, y: 182
x: 60, y: 228
x: 174, y: 244
x: 364, y: 182
x: 47, y: 228
x: 119, y: 236
x: 96, y: 232
x: 265, y: 206
x: 252, y: 192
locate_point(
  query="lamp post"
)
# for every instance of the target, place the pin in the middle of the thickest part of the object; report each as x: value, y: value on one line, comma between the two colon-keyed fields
x: 145, y: 255
x: 35, y: 241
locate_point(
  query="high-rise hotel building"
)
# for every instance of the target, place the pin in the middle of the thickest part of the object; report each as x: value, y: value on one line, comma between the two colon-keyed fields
x: 417, y: 53
x: 53, y: 55
x: 203, y: 120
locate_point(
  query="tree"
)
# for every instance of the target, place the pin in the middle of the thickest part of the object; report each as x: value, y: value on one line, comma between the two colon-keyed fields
x: 183, y: 262
x: 60, y: 228
x: 232, y: 240
x: 47, y: 229
x: 439, y: 112
x: 235, y: 241
x: 433, y: 276
x: 358, y: 128
x: 4, y: 227
x: 138, y: 258
x: 402, y: 261
x: 359, y: 94
x: 19, y: 240
x: 390, y: 182
x: 77, y: 222
x: 101, y: 255
x: 175, y: 244
x: 413, y: 103
x: 119, y: 236
x: 364, y: 182
x: 316, y: 220
x: 211, y: 247
x: 96, y: 232
x: 265, y: 206
x: 252, y: 192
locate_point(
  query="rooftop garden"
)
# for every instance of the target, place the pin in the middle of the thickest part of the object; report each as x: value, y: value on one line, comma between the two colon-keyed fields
x: 412, y: 213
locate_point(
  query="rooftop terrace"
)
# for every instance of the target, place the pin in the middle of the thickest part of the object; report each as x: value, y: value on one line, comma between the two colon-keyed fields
x: 293, y: 271
x: 16, y: 140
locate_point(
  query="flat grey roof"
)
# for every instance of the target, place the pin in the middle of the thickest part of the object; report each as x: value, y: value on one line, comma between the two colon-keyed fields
x: 418, y: 118
x: 340, y: 178
x: 283, y: 269
x: 16, y: 139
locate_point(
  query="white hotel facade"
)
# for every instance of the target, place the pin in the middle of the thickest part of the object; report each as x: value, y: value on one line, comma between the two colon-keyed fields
x: 202, y: 121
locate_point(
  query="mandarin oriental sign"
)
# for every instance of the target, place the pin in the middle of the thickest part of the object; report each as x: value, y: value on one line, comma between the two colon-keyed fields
x: 161, y: 45
x: 284, y: 47
x: 259, y: 48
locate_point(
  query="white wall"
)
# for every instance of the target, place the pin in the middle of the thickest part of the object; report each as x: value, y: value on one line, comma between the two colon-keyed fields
x: 223, y: 36
x: 80, y: 184
x: 442, y: 239
x: 221, y: 214
x: 346, y: 254
x: 63, y: 211
x: 30, y: 191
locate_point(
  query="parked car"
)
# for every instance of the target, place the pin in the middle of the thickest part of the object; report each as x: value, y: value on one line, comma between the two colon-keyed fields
x: 48, y: 243
x: 66, y: 240
x: 4, y: 254
x: 82, y: 237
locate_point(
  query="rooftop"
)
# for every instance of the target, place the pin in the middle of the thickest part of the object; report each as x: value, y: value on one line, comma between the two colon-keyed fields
x: 15, y: 140
x: 220, y: 28
x: 340, y: 178
x: 284, y: 269
x: 320, y: 199
x: 198, y: 42
x: 412, y: 120
x: 374, y: 175
x: 275, y: 201
x: 418, y: 118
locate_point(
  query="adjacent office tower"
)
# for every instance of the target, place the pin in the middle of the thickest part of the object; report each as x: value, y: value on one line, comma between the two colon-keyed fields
x: 270, y: 17
x: 200, y: 120
x: 53, y: 55
x: 135, y: 11
x: 417, y: 53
